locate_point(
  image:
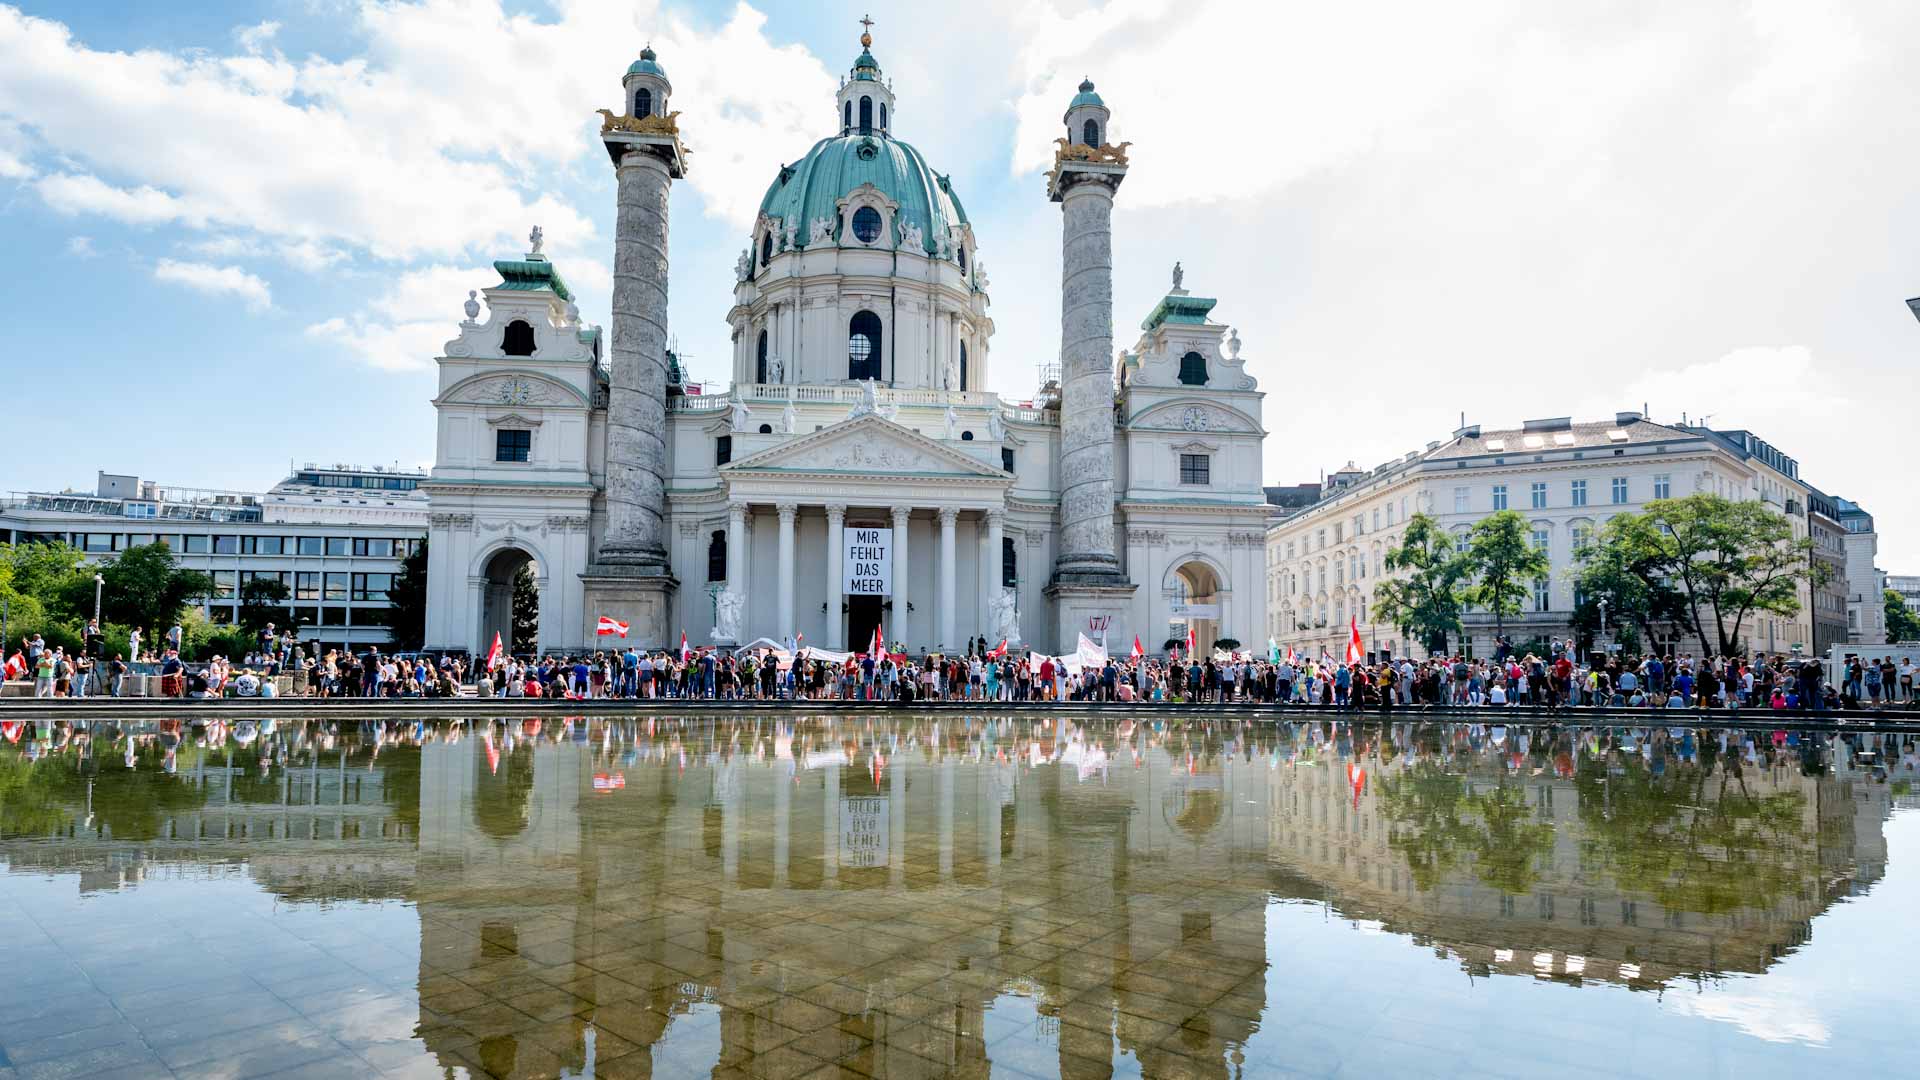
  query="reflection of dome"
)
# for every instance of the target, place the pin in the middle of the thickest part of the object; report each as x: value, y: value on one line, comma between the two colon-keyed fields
x: 810, y: 188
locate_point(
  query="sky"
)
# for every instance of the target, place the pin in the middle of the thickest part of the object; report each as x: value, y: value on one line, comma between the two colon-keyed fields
x: 240, y: 232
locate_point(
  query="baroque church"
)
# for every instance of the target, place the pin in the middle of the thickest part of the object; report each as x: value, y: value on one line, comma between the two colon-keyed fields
x: 858, y: 474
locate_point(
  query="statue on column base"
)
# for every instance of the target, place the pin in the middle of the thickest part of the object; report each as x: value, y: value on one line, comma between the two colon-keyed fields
x: 1004, y: 617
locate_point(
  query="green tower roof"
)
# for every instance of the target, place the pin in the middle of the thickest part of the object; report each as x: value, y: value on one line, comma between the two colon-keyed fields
x: 531, y: 274
x: 810, y: 187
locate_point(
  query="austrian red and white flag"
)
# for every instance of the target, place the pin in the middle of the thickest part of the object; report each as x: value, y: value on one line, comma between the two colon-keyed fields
x: 493, y: 654
x: 683, y: 646
x: 1354, y: 649
x: 1138, y: 652
x: 1190, y: 641
x: 609, y: 627
x: 998, y: 651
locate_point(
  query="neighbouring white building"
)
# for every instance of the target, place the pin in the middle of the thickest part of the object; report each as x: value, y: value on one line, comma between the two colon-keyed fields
x: 334, y: 535
x: 1327, y: 552
x: 1866, y: 583
x: 858, y: 474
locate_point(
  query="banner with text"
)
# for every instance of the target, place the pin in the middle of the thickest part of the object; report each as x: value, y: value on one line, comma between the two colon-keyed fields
x: 869, y: 562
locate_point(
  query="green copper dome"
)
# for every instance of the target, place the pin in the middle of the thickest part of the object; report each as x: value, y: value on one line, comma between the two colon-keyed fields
x: 810, y: 188
x: 645, y: 65
x: 1086, y: 96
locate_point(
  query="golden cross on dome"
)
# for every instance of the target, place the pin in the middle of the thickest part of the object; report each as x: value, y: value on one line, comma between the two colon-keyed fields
x: 866, y: 34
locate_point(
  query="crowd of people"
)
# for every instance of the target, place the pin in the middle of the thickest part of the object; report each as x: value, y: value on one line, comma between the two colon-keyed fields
x: 981, y: 674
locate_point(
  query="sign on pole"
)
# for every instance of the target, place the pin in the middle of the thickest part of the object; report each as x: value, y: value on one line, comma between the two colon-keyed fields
x: 868, y: 560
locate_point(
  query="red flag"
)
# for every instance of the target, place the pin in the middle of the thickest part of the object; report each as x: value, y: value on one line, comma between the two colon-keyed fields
x: 878, y: 647
x: 1190, y: 641
x: 493, y: 654
x: 608, y: 627
x: 998, y: 651
x: 683, y: 646
x: 1138, y: 652
x: 1354, y: 649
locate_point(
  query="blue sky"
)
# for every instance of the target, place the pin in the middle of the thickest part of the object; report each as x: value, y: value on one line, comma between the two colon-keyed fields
x: 239, y: 232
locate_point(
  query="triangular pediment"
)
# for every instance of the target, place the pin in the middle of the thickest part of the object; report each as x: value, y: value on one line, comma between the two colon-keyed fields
x: 866, y: 444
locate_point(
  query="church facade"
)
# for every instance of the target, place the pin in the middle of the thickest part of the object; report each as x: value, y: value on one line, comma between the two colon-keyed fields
x: 858, y: 475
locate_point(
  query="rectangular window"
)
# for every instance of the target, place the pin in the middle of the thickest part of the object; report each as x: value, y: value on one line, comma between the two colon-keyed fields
x: 312, y: 545
x: 226, y: 545
x: 1339, y: 534
x: 1196, y: 469
x: 223, y: 584
x: 380, y: 547
x: 94, y: 541
x: 1462, y: 541
x: 1462, y: 500
x: 269, y: 545
x: 1539, y: 538
x: 723, y: 450
x: 1542, y: 595
x: 1537, y: 494
x: 336, y: 587
x: 1499, y: 496
x: 1006, y: 458
x: 1376, y: 519
x: 371, y: 586
x: 139, y: 539
x: 1582, y: 537
x: 306, y: 585
x: 512, y: 444
x: 1619, y: 489
x: 359, y: 545
x: 1579, y: 493
x: 1663, y: 486
x: 1389, y: 515
x: 196, y: 545
x: 337, y: 545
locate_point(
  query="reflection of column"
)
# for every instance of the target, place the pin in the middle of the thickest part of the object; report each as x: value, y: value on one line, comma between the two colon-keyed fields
x: 737, y: 547
x: 730, y: 825
x: 946, y: 820
x: 782, y: 821
x: 788, y: 511
x: 836, y: 574
x: 897, y: 823
x: 830, y: 827
x: 901, y: 516
x: 990, y: 829
x: 948, y: 515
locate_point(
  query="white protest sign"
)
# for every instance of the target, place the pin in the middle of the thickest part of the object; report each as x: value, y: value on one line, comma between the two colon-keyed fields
x: 868, y: 560
x: 863, y: 831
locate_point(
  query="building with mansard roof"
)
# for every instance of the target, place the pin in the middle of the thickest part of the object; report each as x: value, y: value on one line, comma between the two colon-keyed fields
x: 858, y: 475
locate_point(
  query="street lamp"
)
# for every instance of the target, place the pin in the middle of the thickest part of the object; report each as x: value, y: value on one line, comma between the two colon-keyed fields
x: 98, y: 581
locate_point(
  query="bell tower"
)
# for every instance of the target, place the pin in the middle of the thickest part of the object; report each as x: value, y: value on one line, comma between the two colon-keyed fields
x: 629, y: 578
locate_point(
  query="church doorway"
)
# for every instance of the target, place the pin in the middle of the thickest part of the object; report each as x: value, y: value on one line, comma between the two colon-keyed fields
x: 863, y: 614
x: 1196, y: 604
x: 512, y: 604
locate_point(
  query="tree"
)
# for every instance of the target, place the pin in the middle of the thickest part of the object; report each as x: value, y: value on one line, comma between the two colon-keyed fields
x: 408, y: 595
x: 526, y: 610
x: 1504, y: 563
x: 1902, y: 624
x: 144, y: 588
x: 53, y: 576
x: 1425, y: 602
x: 1730, y: 560
x: 1624, y: 567
x: 260, y: 601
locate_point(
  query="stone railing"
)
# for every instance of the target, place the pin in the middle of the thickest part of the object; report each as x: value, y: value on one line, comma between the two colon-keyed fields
x: 853, y: 394
x: 698, y: 403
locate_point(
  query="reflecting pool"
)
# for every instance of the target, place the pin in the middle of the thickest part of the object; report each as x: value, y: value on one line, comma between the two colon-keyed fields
x: 905, y: 895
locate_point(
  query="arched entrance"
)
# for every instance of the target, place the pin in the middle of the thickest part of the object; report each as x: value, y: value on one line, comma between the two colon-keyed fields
x: 511, y: 603
x: 1195, y: 599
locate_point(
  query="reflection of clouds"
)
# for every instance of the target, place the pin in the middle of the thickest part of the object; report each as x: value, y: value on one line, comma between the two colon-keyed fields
x: 1776, y: 1009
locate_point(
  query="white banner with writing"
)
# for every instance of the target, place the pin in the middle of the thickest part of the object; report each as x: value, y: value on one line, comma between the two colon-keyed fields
x: 864, y: 830
x: 868, y: 560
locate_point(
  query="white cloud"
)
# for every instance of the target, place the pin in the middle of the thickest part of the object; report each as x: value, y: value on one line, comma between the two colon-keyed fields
x: 216, y: 281
x: 257, y: 37
x: 81, y: 247
x: 406, y: 326
x: 82, y: 194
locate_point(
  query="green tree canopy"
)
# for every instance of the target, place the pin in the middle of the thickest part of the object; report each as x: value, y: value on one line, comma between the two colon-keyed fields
x: 1424, y: 601
x: 260, y: 604
x: 1729, y: 560
x: 1902, y: 624
x: 1504, y: 564
x: 1624, y: 567
x: 145, y: 588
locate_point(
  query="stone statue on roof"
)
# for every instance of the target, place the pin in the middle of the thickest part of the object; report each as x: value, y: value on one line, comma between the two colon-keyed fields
x: 1179, y: 276
x: 536, y: 238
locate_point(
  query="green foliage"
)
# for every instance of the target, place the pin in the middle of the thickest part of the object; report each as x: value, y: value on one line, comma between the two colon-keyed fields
x: 526, y: 610
x: 54, y: 576
x: 1624, y: 567
x: 1902, y: 624
x: 1424, y: 602
x: 408, y: 595
x: 260, y: 604
x: 1730, y: 560
x: 1504, y: 564
x: 145, y: 588
x: 203, y: 639
x: 1435, y: 820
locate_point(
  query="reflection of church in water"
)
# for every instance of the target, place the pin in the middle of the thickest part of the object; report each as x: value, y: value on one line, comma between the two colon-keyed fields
x: 814, y: 899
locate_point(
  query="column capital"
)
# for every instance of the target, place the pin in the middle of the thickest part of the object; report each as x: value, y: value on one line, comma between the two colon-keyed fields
x: 737, y: 506
x: 788, y: 511
x: 836, y: 512
x: 996, y: 517
x: 900, y: 516
x: 948, y: 515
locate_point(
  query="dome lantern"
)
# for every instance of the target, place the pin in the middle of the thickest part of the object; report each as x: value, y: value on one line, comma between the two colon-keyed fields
x: 1086, y: 117
x: 864, y: 103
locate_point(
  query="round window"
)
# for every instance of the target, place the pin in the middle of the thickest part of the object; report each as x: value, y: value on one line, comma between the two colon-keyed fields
x: 866, y: 224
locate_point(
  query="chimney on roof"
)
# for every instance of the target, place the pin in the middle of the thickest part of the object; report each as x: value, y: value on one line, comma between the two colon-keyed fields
x: 1622, y: 419
x: 1551, y: 423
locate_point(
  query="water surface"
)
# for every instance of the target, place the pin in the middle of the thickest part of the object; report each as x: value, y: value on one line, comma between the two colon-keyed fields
x: 907, y: 895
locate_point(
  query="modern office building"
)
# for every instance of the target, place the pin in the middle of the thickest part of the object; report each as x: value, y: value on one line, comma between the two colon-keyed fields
x: 334, y: 535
